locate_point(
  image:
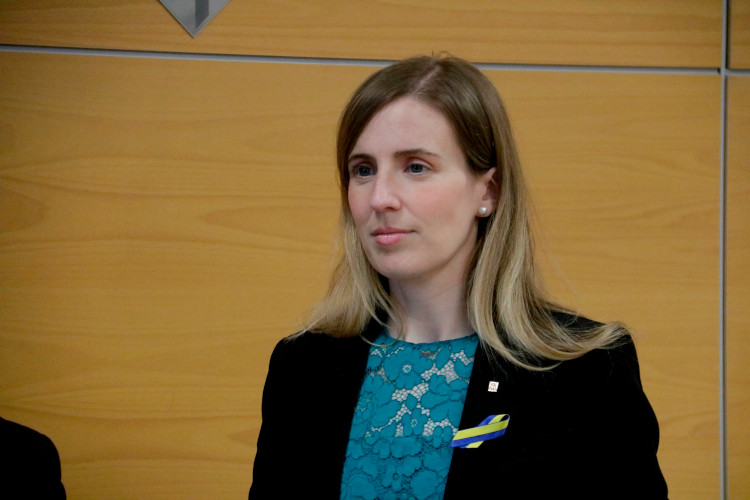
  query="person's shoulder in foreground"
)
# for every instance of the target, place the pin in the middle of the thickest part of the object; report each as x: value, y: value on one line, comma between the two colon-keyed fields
x: 29, y: 464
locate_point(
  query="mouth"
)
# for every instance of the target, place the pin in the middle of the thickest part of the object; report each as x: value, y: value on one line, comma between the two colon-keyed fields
x: 389, y: 236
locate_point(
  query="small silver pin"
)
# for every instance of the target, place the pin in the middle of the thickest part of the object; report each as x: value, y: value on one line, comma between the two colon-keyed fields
x: 493, y: 386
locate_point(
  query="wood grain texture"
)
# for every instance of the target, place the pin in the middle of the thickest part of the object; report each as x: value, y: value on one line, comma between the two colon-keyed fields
x: 622, y: 32
x: 739, y: 34
x: 738, y: 287
x: 624, y: 170
x: 163, y: 223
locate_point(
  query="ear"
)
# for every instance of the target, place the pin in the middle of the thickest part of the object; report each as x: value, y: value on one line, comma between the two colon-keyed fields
x: 491, y: 190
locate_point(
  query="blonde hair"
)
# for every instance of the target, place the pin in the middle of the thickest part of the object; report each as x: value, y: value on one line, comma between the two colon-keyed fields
x: 506, y: 302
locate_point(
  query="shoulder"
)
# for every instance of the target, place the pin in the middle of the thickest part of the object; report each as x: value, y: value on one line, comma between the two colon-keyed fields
x: 573, y: 321
x: 605, y: 367
x: 621, y: 349
x: 306, y: 344
x: 318, y: 353
x: 593, y: 369
x: 25, y: 440
x: 30, y: 461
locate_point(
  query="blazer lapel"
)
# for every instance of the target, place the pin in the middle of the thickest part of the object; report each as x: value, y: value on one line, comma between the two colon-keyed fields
x: 487, y: 392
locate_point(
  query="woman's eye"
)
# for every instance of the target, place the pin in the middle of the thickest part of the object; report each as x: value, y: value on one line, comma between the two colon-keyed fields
x: 362, y: 171
x: 416, y: 168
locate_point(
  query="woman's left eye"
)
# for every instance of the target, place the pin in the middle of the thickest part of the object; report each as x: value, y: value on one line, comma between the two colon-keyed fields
x: 416, y: 168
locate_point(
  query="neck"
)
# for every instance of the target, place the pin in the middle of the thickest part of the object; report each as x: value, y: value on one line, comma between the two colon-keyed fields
x: 430, y: 313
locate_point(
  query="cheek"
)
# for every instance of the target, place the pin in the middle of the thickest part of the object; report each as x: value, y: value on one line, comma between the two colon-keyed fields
x: 356, y: 207
x: 451, y: 212
x: 449, y: 202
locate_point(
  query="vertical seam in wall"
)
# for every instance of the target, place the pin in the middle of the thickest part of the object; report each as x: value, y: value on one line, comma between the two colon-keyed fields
x: 723, y: 453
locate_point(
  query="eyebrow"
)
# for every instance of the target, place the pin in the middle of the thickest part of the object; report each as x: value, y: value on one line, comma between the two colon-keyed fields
x: 399, y: 154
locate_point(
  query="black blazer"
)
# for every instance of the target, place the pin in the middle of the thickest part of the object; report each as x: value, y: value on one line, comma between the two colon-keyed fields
x: 582, y: 430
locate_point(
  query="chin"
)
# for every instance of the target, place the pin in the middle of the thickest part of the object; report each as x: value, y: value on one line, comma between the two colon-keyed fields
x: 395, y: 273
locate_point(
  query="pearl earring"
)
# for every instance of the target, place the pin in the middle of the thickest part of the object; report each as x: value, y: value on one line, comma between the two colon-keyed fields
x: 483, y: 210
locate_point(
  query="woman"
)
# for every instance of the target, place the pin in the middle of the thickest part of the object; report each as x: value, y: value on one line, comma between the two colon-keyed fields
x: 435, y: 366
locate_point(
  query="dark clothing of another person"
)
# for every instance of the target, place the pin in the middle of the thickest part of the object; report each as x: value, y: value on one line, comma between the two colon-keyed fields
x: 29, y: 464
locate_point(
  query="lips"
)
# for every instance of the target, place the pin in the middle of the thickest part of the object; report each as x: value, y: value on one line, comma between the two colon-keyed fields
x: 389, y: 236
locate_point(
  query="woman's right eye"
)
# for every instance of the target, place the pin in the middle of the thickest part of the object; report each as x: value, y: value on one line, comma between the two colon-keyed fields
x: 362, y: 171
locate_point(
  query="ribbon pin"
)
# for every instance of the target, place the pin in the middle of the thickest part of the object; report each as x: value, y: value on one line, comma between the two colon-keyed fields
x: 491, y: 427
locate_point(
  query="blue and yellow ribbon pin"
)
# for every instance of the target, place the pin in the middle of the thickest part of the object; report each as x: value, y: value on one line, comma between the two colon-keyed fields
x: 491, y: 427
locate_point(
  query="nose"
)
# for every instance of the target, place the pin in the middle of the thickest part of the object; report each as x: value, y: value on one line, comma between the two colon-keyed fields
x: 385, y: 192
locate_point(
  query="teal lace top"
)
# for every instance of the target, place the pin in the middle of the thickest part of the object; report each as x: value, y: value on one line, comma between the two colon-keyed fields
x: 409, y: 409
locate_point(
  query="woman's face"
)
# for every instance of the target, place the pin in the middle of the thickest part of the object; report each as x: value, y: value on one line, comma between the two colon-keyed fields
x: 414, y: 201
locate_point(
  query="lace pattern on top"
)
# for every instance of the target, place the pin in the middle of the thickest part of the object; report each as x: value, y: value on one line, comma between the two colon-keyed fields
x: 408, y: 411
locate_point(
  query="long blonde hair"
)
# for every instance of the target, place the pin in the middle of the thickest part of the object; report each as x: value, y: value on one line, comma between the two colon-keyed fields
x: 506, y: 302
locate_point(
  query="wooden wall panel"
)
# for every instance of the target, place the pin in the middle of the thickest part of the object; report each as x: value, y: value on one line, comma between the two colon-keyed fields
x: 739, y: 34
x: 624, y: 171
x: 623, y: 33
x: 164, y: 222
x: 738, y: 288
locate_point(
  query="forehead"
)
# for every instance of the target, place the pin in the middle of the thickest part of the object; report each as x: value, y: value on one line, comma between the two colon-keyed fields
x: 406, y: 123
